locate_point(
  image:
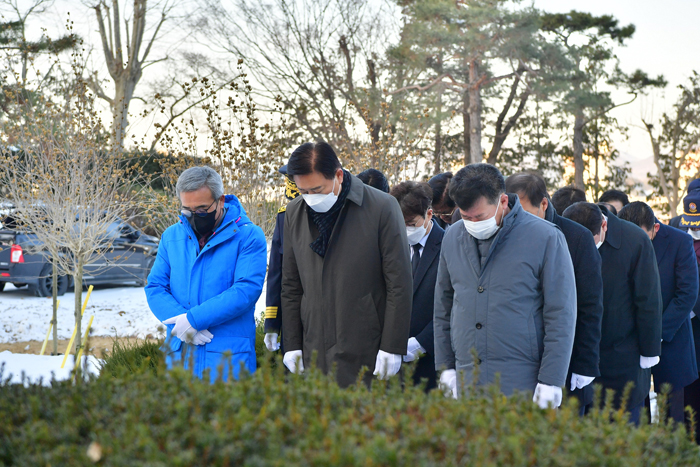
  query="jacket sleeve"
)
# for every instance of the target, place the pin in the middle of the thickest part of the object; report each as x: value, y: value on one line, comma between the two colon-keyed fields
x: 248, y: 280
x: 585, y: 357
x: 442, y: 312
x: 273, y: 311
x: 426, y: 338
x: 292, y: 292
x: 559, y: 311
x: 396, y: 268
x: 686, y: 293
x: 160, y: 300
x: 647, y: 299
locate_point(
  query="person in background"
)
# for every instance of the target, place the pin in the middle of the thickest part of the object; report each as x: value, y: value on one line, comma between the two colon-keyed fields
x: 273, y: 312
x: 565, y: 197
x: 583, y: 367
x: 375, y: 179
x: 207, y: 277
x: 505, y: 289
x: 425, y: 239
x: 678, y: 272
x: 444, y: 208
x: 693, y: 187
x: 611, y: 209
x: 617, y: 198
x: 346, y: 274
x: 631, y: 334
x: 691, y: 219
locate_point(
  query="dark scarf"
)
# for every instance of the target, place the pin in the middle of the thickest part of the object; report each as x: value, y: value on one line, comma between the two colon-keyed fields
x: 325, y: 221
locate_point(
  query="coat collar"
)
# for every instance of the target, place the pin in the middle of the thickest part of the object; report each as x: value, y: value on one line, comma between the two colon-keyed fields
x: 431, y: 250
x: 357, y: 189
x: 660, y: 241
x: 613, y: 236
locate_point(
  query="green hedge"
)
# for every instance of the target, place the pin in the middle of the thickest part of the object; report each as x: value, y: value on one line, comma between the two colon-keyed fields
x: 147, y: 416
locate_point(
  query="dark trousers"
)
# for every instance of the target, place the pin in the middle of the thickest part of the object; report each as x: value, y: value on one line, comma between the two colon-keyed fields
x: 674, y: 405
x: 692, y: 398
x: 635, y: 413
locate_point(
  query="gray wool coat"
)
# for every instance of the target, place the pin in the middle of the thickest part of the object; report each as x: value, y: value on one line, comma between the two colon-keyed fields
x: 518, y: 313
x: 357, y: 299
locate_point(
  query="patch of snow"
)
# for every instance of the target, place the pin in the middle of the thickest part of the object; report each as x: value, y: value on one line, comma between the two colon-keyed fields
x: 32, y: 369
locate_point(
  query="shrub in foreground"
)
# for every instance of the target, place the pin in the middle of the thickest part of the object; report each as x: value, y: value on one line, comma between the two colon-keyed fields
x: 158, y: 418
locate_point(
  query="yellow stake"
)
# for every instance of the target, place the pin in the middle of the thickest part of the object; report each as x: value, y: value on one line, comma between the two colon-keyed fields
x: 43, y: 347
x: 75, y: 329
x: 87, y: 331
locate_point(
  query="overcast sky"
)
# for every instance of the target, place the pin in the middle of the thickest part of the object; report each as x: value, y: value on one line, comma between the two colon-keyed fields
x: 666, y: 42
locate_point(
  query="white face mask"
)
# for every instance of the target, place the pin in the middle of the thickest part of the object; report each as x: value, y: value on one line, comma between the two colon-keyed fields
x: 415, y: 234
x: 602, y: 239
x: 321, y: 202
x: 482, y: 230
x: 599, y: 244
x: 695, y: 234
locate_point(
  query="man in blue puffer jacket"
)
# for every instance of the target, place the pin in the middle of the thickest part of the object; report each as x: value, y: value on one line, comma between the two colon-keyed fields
x: 207, y: 277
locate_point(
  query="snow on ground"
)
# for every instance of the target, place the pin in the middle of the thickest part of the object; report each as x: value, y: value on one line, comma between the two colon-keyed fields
x: 118, y: 311
x: 45, y: 368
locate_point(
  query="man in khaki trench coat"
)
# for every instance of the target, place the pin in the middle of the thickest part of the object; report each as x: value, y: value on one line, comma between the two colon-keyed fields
x: 346, y: 278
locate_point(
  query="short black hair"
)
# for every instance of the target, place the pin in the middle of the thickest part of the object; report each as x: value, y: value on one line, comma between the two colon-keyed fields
x: 614, y: 195
x: 375, y: 179
x: 313, y: 157
x: 530, y: 185
x: 472, y: 182
x: 586, y: 214
x: 414, y: 198
x: 639, y: 213
x: 565, y: 197
x: 439, y: 184
x: 612, y: 209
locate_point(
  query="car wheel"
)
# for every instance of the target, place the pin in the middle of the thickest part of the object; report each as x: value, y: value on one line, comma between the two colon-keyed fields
x: 146, y: 272
x: 44, y: 288
x: 2, y: 286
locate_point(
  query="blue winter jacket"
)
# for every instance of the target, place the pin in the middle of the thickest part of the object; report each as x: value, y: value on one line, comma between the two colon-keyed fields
x: 217, y: 287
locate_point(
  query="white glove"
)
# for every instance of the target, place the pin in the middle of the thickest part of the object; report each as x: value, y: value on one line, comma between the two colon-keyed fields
x: 414, y: 351
x: 202, y: 337
x: 271, y: 342
x: 294, y: 361
x: 580, y: 381
x: 546, y: 396
x: 448, y: 383
x: 183, y: 330
x: 648, y: 362
x: 387, y: 365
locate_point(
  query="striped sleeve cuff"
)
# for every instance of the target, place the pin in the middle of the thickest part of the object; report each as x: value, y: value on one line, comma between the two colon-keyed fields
x: 271, y: 312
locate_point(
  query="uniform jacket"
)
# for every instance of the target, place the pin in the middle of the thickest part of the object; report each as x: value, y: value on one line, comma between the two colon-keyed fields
x: 217, y: 287
x: 518, y: 313
x: 678, y: 271
x: 632, y: 309
x: 273, y: 312
x: 585, y: 356
x: 356, y: 300
x: 423, y: 300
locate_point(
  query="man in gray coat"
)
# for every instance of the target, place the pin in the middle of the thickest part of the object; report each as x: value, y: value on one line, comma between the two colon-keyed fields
x: 346, y: 277
x: 505, y: 288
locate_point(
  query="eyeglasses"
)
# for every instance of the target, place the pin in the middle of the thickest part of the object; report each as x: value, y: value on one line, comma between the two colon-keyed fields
x: 199, y: 212
x: 446, y: 214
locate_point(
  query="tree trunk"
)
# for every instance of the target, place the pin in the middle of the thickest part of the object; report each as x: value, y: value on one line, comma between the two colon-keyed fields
x: 123, y: 93
x: 437, y: 154
x: 475, y: 153
x: 467, y: 127
x: 54, y: 318
x: 579, y: 123
x: 596, y: 155
x: 78, y: 278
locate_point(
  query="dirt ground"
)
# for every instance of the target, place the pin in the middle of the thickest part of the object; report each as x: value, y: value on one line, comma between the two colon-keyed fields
x: 97, y: 346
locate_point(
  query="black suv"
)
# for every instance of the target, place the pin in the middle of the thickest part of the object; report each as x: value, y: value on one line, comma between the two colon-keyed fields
x: 126, y: 257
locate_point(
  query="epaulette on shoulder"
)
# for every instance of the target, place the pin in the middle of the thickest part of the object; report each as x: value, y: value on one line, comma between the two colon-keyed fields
x: 282, y: 209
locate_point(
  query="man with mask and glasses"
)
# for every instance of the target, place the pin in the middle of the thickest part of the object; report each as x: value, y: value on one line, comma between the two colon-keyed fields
x: 425, y: 239
x: 207, y: 277
x: 505, y: 289
x: 346, y: 275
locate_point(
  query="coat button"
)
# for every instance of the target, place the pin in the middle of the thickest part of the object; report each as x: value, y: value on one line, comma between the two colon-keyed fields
x: 478, y: 325
x: 478, y: 361
x: 480, y: 289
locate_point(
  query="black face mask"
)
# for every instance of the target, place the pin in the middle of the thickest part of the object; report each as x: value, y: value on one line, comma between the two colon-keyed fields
x: 203, y: 226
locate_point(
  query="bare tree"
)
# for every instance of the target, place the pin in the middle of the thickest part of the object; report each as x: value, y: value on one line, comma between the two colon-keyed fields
x: 125, y: 60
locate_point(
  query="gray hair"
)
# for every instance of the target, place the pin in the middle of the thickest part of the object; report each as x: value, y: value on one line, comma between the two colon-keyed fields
x: 195, y: 178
